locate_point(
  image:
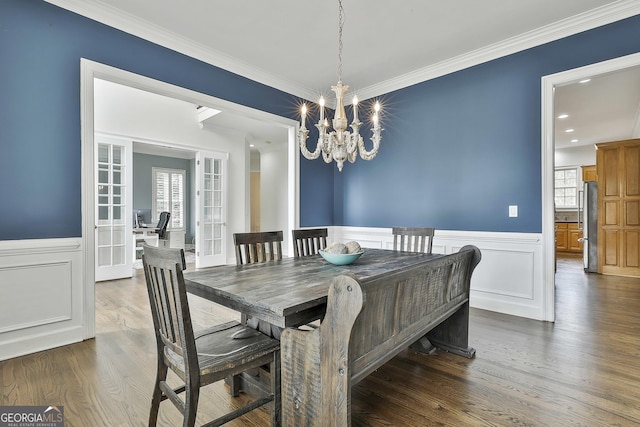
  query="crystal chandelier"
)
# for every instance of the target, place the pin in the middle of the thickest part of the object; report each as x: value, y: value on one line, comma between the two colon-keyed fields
x: 340, y: 144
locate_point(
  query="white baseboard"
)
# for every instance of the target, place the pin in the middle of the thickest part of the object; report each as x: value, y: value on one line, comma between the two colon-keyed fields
x: 42, y: 295
x: 509, y: 278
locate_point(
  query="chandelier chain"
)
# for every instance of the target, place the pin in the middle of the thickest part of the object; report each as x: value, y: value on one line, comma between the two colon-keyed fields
x: 340, y: 25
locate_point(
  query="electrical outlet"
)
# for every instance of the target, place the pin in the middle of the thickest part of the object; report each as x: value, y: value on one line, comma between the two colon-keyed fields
x: 513, y: 211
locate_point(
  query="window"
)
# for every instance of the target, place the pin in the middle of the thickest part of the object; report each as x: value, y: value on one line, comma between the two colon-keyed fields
x: 566, y: 188
x: 168, y: 195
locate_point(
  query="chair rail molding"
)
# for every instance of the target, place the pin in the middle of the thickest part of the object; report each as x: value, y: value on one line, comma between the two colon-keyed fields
x: 508, y: 280
x: 42, y: 293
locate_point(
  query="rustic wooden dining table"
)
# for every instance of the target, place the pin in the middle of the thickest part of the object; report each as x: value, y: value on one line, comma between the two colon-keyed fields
x: 287, y: 293
x: 292, y: 291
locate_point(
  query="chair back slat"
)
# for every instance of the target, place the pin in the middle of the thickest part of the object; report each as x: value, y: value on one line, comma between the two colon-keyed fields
x: 165, y: 304
x: 413, y: 239
x: 168, y: 299
x: 309, y: 241
x: 261, y: 246
x: 171, y: 335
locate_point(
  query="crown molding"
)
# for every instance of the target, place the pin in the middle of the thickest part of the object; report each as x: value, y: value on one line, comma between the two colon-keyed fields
x: 564, y: 28
x: 115, y: 18
x: 130, y: 24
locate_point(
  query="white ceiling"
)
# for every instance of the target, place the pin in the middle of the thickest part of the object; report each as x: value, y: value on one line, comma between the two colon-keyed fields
x: 606, y: 108
x: 263, y: 136
x: 293, y: 44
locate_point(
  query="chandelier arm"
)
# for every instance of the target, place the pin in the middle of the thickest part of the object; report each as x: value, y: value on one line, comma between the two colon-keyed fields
x: 352, y: 156
x: 327, y: 156
x: 329, y: 141
x: 327, y: 147
x: 355, y: 136
x: 352, y: 142
x: 303, y: 134
x: 368, y: 155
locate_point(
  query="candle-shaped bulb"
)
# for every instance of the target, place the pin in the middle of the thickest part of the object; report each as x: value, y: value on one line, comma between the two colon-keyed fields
x: 355, y: 108
x: 377, y: 106
x: 304, y: 114
x: 321, y: 108
x: 375, y: 119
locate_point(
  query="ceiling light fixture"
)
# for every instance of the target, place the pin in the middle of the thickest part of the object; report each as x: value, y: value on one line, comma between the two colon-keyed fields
x: 563, y: 116
x: 585, y: 80
x: 569, y: 130
x: 574, y: 140
x: 340, y: 144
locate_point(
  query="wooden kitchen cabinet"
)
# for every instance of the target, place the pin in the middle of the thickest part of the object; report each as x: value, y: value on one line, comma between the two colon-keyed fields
x: 567, y: 235
x: 573, y: 234
x: 589, y: 173
x: 561, y: 237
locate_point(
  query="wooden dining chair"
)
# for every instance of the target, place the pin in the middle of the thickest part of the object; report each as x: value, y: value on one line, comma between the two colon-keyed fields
x: 253, y: 248
x: 204, y: 357
x: 309, y: 241
x: 260, y: 246
x: 413, y: 239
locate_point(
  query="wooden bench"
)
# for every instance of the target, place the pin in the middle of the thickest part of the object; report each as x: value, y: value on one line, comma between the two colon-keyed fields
x: 366, y: 324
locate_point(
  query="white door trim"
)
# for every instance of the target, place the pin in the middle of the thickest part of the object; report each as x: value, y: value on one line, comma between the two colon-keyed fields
x: 548, y: 162
x: 89, y: 70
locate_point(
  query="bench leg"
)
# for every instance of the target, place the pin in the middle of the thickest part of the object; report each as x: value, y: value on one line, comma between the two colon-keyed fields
x: 423, y: 345
x: 452, y: 335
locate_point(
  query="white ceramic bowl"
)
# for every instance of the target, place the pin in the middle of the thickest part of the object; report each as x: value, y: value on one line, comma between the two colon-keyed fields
x: 340, y: 259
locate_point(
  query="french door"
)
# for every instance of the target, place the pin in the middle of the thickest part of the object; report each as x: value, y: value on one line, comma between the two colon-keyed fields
x: 211, y: 205
x: 114, y: 214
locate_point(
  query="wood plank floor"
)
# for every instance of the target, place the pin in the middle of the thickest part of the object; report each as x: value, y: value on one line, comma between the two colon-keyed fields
x: 582, y: 370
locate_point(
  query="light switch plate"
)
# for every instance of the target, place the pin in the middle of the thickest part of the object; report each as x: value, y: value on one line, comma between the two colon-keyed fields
x: 513, y: 211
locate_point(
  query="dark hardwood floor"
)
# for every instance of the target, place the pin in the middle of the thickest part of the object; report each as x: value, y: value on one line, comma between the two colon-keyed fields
x: 582, y: 370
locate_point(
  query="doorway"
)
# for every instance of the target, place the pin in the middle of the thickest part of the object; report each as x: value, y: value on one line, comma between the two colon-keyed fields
x: 92, y: 70
x: 549, y: 84
x: 268, y: 195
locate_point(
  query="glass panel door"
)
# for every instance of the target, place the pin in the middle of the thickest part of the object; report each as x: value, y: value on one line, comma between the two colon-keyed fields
x: 113, y: 222
x: 211, y: 187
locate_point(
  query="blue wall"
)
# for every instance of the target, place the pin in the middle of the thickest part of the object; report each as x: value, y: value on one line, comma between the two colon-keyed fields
x: 40, y: 158
x: 456, y: 151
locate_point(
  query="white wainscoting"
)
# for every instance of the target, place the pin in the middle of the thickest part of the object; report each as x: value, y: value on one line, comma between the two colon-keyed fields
x: 41, y: 295
x: 42, y: 290
x: 509, y: 278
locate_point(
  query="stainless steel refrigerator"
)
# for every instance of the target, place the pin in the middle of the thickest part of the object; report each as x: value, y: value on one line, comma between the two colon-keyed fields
x: 589, y: 219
